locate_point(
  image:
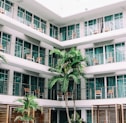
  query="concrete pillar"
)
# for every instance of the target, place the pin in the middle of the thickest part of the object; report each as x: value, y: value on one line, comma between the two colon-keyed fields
x: 10, y: 82
x: 84, y: 114
x: 46, y: 88
x: 81, y: 29
x: 124, y: 19
x: 15, y: 11
x: 47, y: 28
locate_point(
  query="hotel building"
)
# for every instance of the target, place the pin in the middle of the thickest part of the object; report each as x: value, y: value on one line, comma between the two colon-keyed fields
x: 29, y: 31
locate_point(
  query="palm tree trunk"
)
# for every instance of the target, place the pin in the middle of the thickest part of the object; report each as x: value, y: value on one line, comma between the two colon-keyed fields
x: 74, y: 91
x: 67, y: 109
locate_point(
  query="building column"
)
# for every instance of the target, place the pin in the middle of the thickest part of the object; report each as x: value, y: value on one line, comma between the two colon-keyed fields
x: 83, y: 90
x: 15, y: 10
x: 84, y: 114
x: 10, y: 82
x: 47, y: 28
x: 12, y: 46
x: 81, y: 29
x: 124, y: 19
x: 46, y: 89
x: 46, y: 57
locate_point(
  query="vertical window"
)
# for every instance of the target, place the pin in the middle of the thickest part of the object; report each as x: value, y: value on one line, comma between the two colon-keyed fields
x: 99, y: 55
x: 6, y: 38
x: 90, y: 89
x: 63, y: 33
x: 42, y: 55
x: 71, y: 30
x: 109, y: 53
x: 33, y: 84
x: 34, y: 51
x: 27, y: 48
x: 3, y: 81
x: 109, y: 23
x: 28, y: 18
x: 53, y: 31
x: 43, y: 26
x: 17, y: 90
x: 18, y: 47
x: 120, y: 52
x: 77, y: 31
x: 36, y: 22
x: 41, y: 84
x: 89, y: 116
x: 21, y: 14
x: 89, y: 56
x: 118, y: 20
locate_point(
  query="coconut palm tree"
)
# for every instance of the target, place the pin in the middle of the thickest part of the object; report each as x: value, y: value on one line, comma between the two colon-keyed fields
x: 69, y: 66
x: 28, y: 106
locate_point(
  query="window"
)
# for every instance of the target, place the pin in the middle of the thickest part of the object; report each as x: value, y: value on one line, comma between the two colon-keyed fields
x: 6, y: 38
x: 118, y: 20
x: 21, y: 14
x: 3, y: 81
x: 63, y: 33
x: 36, y: 22
x: 53, y: 31
x: 19, y: 47
x: 28, y: 18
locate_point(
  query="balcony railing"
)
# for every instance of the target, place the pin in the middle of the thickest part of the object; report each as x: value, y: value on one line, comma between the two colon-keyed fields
x: 22, y: 89
x: 103, y: 58
x: 104, y: 26
x: 106, y: 92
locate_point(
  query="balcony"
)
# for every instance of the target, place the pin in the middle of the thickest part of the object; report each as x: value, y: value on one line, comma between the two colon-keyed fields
x: 105, y: 58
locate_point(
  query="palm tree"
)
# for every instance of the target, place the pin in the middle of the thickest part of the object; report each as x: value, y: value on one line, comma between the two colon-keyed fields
x: 69, y: 66
x: 28, y: 107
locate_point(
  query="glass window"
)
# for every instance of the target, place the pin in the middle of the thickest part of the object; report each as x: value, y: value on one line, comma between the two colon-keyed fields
x: 18, y: 47
x: 42, y: 55
x: 109, y: 23
x: 3, y: 81
x: 43, y: 26
x: 63, y: 33
x: 21, y: 14
x: 17, y: 84
x: 90, y: 89
x: 27, y: 48
x: 53, y: 31
x: 35, y: 51
x: 120, y: 52
x: 99, y: 55
x: 28, y: 18
x: 109, y: 53
x: 33, y: 83
x: 118, y: 20
x: 89, y: 56
x: 36, y: 22
x: 41, y: 84
x: 6, y: 38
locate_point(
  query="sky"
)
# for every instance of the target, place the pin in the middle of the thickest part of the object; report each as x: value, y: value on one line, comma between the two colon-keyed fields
x: 68, y: 7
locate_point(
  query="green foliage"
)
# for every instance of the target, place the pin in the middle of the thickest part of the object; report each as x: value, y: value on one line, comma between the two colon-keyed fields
x: 28, y: 105
x: 70, y: 65
x: 78, y: 119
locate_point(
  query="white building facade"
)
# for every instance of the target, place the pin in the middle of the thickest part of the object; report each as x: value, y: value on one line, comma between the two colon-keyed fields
x: 29, y: 31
